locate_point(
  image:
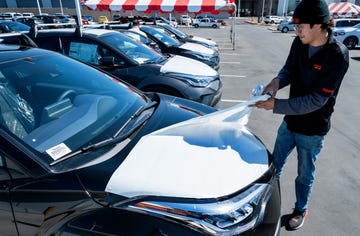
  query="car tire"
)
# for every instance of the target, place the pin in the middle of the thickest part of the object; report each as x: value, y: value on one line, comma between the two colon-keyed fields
x: 285, y: 30
x: 351, y: 42
x: 214, y: 26
x: 196, y: 26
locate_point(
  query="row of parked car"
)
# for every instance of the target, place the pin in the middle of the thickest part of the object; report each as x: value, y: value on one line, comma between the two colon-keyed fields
x: 346, y: 30
x: 44, y: 18
x: 83, y: 152
x: 183, y: 69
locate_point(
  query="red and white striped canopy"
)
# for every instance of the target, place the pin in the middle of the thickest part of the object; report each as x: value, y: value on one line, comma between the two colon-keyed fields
x: 343, y: 8
x: 163, y: 6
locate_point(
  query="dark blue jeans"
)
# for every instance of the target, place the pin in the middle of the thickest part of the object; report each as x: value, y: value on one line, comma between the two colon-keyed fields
x: 308, y: 149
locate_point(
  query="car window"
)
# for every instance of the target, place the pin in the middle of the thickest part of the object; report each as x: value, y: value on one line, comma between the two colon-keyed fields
x: 4, y: 174
x: 346, y: 23
x: 10, y: 170
x: 176, y: 31
x: 49, y: 43
x: 160, y: 36
x: 51, y: 103
x: 13, y: 26
x: 134, y: 49
x: 87, y: 51
x: 84, y: 52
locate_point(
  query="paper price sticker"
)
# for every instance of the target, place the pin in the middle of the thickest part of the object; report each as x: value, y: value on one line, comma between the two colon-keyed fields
x: 58, y: 151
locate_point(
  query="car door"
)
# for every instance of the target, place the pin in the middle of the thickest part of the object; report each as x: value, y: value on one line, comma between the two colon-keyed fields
x: 8, y: 226
x: 39, y: 205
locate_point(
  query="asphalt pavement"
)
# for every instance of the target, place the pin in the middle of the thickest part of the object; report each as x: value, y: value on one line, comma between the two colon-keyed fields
x: 256, y: 55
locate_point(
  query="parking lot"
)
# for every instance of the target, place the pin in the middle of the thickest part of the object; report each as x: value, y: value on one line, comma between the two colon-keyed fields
x: 258, y: 55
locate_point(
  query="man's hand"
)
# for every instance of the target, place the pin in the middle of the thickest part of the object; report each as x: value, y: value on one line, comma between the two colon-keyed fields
x: 270, y: 89
x: 267, y: 105
x: 273, y: 86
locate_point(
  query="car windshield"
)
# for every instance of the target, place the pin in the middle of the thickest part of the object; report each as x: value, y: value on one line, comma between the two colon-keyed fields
x: 134, y: 49
x: 161, y: 36
x: 175, y: 31
x: 13, y: 26
x: 57, y: 105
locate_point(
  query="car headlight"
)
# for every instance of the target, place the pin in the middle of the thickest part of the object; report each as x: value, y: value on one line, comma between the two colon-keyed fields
x: 202, y: 56
x: 222, y: 217
x: 193, y: 80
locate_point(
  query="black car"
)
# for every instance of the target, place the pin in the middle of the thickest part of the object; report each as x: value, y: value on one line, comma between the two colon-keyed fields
x: 183, y: 37
x: 29, y: 21
x: 48, y: 19
x: 170, y: 45
x: 13, y: 26
x: 139, y: 37
x: 136, y: 63
x: 82, y: 153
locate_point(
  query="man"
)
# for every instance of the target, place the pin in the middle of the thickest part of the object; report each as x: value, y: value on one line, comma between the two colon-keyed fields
x: 136, y: 28
x: 314, y: 69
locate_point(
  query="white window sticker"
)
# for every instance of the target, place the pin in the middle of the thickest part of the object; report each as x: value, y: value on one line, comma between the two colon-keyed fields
x: 58, y: 151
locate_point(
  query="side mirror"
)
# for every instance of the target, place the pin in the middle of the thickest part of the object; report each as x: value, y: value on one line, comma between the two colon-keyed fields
x: 109, y: 61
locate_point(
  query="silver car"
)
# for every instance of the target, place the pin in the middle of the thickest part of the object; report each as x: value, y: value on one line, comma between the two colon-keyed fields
x: 286, y: 26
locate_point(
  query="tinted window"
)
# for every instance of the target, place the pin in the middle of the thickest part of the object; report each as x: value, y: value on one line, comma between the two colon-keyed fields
x: 160, y: 36
x: 50, y: 43
x: 87, y: 51
x: 53, y: 103
x: 132, y: 48
x: 9, y: 167
x: 346, y: 23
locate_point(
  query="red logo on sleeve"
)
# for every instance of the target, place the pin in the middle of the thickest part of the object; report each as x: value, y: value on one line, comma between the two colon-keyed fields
x: 317, y: 67
x: 325, y: 90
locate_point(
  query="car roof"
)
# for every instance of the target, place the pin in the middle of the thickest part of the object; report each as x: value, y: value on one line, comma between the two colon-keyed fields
x: 9, y: 52
x: 92, y: 32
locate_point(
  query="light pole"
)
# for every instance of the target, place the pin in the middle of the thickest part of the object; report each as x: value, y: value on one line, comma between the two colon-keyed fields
x: 284, y: 7
x: 238, y: 8
x: 61, y: 8
x: 38, y: 4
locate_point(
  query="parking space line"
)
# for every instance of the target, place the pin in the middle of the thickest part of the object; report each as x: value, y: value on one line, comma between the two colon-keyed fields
x: 232, y: 100
x: 230, y: 54
x: 230, y: 62
x: 234, y: 76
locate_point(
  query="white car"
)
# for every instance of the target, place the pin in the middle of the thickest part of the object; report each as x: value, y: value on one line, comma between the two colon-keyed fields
x: 207, y: 22
x: 185, y: 20
x: 349, y: 36
x: 273, y: 19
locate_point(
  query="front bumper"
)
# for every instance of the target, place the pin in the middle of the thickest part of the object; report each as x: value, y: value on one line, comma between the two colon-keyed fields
x: 262, y: 219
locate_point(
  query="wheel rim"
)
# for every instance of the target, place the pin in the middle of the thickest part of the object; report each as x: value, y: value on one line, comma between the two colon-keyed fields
x: 350, y: 42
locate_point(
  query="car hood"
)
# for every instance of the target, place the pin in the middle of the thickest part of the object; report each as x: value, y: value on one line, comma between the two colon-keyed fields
x: 185, y: 65
x: 205, y: 157
x: 197, y: 48
x: 203, y: 40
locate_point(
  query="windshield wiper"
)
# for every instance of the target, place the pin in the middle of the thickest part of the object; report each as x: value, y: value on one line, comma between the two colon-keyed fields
x: 162, y: 58
x: 114, y: 139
